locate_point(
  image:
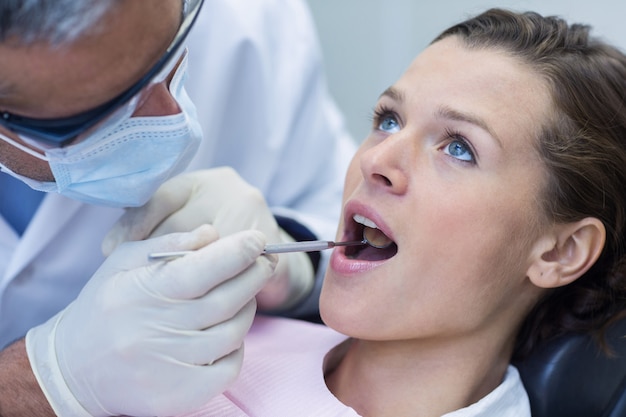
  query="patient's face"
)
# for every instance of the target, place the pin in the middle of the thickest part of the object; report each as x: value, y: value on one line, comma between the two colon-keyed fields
x: 451, y: 174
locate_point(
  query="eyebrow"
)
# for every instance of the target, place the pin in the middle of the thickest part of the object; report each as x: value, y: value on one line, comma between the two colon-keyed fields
x: 446, y: 112
x: 394, y: 94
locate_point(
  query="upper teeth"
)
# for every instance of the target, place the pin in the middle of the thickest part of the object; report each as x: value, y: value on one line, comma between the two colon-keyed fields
x: 364, y: 221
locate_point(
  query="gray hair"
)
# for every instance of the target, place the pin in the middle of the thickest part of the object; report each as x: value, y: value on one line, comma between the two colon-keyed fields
x: 53, y: 21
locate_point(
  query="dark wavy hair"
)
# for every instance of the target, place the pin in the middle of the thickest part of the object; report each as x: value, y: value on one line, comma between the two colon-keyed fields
x: 584, y: 150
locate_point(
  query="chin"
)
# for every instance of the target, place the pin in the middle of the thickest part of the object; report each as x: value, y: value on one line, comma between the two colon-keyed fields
x: 345, y: 317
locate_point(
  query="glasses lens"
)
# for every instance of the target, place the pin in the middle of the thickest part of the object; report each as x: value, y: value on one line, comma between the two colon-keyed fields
x: 173, y: 70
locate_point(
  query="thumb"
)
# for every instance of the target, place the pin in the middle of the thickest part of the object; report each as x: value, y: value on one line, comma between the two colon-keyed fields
x: 137, y: 223
x: 134, y: 254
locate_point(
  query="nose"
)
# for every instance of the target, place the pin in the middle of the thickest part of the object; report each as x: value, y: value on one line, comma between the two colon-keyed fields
x: 387, y: 165
x: 158, y: 101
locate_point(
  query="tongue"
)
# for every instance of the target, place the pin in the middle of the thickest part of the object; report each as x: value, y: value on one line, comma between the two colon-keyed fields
x: 379, y: 246
x: 370, y: 253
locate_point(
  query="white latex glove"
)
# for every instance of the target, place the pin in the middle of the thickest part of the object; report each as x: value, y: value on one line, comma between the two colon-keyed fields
x: 153, y: 337
x: 219, y: 197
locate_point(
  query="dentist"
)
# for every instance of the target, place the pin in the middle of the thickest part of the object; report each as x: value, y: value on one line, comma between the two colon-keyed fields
x: 93, y: 111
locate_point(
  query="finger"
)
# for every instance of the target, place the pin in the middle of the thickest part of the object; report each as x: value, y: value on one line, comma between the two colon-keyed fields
x: 137, y: 223
x: 183, y: 219
x: 207, y: 346
x: 193, y: 387
x: 225, y: 300
x: 212, y: 204
x: 206, y: 382
x: 135, y: 254
x: 194, y: 274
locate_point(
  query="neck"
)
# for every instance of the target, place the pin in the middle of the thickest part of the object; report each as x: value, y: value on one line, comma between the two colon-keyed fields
x: 418, y: 378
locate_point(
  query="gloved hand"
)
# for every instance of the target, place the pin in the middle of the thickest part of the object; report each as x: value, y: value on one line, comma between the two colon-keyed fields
x: 153, y: 338
x: 219, y: 197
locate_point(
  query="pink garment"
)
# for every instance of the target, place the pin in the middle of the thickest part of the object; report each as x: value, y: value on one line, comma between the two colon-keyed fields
x: 282, y: 374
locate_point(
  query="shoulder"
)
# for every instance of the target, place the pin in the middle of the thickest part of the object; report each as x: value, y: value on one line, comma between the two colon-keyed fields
x: 261, y: 42
x: 259, y: 20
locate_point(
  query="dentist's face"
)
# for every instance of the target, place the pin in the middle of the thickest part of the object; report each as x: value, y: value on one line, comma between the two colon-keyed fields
x: 46, y: 82
x: 451, y: 174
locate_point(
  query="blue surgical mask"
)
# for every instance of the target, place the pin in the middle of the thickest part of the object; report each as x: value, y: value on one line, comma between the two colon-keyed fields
x: 123, y: 161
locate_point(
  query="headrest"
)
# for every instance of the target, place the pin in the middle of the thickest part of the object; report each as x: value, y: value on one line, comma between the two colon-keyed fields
x: 570, y: 377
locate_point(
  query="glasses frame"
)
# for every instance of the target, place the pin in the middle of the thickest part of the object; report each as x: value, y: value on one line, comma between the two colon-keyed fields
x: 60, y: 131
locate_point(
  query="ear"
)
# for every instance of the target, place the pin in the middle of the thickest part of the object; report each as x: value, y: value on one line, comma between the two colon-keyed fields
x: 566, y: 252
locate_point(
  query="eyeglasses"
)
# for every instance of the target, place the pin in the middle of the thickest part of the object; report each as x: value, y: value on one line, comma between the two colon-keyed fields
x: 58, y: 132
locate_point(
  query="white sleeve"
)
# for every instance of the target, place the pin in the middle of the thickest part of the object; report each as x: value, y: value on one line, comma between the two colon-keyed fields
x: 257, y: 79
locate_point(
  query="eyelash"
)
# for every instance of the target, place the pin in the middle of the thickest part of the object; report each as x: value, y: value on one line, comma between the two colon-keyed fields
x: 380, y: 113
x: 454, y: 135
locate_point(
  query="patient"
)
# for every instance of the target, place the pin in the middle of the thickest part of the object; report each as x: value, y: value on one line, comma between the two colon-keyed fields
x: 496, y: 164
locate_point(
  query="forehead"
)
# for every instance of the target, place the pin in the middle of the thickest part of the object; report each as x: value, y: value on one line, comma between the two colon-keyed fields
x: 502, y: 90
x: 45, y: 81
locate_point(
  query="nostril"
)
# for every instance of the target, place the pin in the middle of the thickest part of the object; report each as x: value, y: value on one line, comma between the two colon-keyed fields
x: 382, y: 167
x: 386, y: 181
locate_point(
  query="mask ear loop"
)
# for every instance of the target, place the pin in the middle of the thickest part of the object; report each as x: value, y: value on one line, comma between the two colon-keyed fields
x: 180, y: 73
x: 127, y: 110
x: 25, y: 148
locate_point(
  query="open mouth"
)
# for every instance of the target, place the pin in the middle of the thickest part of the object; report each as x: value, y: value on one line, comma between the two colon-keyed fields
x: 380, y: 246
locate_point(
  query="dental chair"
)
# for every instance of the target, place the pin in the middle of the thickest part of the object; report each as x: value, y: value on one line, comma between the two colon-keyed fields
x: 570, y: 377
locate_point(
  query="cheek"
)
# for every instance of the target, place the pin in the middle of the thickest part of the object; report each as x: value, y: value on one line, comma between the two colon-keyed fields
x: 353, y: 175
x: 479, y: 235
x: 24, y: 164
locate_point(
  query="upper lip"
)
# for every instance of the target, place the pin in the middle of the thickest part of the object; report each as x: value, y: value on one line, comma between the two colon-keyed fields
x: 353, y: 207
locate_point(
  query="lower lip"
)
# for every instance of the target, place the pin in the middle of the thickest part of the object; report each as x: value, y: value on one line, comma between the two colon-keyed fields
x: 339, y: 263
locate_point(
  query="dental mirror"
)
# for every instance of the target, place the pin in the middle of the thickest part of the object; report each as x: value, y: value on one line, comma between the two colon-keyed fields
x: 376, y: 238
x: 373, y: 237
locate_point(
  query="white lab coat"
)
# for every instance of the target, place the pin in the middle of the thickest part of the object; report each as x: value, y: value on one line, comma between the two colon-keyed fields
x: 256, y: 77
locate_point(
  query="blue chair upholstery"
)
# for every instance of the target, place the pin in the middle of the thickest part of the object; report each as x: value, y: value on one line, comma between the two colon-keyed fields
x: 571, y: 377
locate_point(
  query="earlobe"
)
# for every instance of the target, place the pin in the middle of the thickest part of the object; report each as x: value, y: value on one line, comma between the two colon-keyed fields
x: 566, y: 253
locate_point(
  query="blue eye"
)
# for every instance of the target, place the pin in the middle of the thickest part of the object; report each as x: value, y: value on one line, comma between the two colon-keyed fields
x: 458, y: 148
x: 389, y: 124
x: 386, y: 121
